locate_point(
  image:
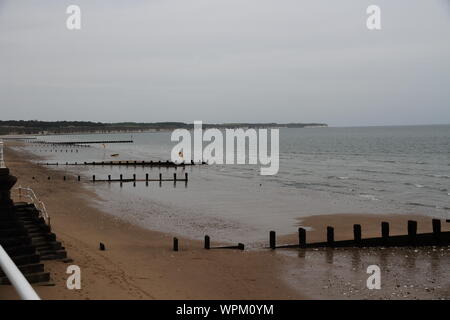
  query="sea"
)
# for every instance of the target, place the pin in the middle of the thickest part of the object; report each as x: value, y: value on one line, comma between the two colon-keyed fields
x: 323, y: 170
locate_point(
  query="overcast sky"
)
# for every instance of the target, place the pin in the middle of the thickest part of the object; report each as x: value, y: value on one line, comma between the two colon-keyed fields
x: 226, y: 61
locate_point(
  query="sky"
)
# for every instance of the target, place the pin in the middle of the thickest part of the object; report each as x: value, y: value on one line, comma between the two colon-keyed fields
x: 226, y: 61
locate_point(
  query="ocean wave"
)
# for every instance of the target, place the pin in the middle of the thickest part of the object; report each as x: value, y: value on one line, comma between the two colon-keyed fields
x: 339, y: 178
x: 443, y: 176
x: 418, y: 204
x: 369, y: 197
x: 384, y: 172
x: 414, y: 184
x: 384, y: 161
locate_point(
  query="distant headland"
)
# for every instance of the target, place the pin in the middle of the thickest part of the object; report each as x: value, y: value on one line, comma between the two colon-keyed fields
x: 68, y: 127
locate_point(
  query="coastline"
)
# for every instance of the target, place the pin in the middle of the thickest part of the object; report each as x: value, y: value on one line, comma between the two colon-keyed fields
x: 139, y: 263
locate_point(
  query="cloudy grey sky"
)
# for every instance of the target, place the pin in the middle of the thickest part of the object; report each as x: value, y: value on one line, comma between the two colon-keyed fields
x: 226, y: 61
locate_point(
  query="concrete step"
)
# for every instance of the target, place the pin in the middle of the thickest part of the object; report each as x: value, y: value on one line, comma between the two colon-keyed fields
x: 14, y: 241
x: 58, y: 254
x: 13, y: 232
x: 26, y: 259
x: 53, y: 245
x: 31, y: 277
x: 28, y: 268
x: 20, y: 250
x: 44, y: 236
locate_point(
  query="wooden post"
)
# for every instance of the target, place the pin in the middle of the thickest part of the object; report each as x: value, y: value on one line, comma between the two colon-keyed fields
x: 146, y: 177
x: 186, y: 176
x: 207, y: 242
x: 102, y: 247
x: 93, y: 178
x: 174, y: 177
x: 437, y: 229
x: 109, y: 177
x: 160, y: 177
x: 64, y: 178
x: 301, y: 238
x: 175, y: 244
x: 385, y: 232
x: 134, y: 177
x: 357, y: 233
x: 412, y: 231
x: 272, y: 240
x: 121, y: 177
x: 79, y: 178
x: 330, y: 236
x: 241, y: 246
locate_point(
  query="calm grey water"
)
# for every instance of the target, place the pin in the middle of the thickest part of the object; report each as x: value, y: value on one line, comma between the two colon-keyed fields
x: 398, y: 170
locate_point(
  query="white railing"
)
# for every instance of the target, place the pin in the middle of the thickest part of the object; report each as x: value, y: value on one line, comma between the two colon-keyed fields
x: 29, y: 193
x: 17, y: 279
x: 2, y: 161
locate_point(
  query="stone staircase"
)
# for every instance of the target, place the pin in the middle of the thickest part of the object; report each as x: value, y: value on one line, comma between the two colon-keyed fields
x: 28, y: 240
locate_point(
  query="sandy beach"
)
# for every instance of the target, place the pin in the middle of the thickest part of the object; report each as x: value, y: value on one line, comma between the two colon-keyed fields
x: 139, y: 263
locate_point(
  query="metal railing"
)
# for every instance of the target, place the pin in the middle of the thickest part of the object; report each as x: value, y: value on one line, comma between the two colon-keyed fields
x: 25, y: 192
x: 15, y: 276
x: 17, y: 279
x: 2, y: 161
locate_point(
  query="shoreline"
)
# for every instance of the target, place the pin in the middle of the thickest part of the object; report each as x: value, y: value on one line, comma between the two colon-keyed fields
x: 139, y: 263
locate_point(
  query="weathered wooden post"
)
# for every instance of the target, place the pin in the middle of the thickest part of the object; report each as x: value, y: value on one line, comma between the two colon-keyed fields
x: 207, y: 242
x: 385, y: 232
x: 102, y: 247
x: 357, y: 233
x: 146, y: 177
x: 64, y: 178
x: 272, y: 240
x: 186, y: 176
x: 121, y: 177
x: 412, y: 231
x: 134, y: 177
x: 160, y: 177
x: 93, y: 178
x: 79, y: 178
x: 109, y: 178
x: 241, y: 246
x: 174, y: 177
x: 175, y: 244
x: 330, y: 236
x: 437, y: 230
x: 301, y: 238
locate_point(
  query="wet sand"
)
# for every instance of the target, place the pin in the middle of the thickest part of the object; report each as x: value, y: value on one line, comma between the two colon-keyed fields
x: 139, y: 263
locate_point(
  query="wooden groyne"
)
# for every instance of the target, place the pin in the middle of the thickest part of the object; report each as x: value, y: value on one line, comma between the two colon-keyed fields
x: 207, y: 245
x: 411, y: 239
x: 68, y: 143
x: 143, y: 163
x: 122, y: 179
